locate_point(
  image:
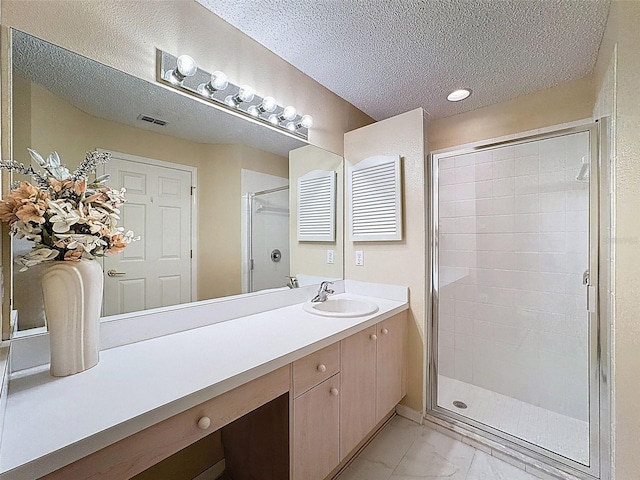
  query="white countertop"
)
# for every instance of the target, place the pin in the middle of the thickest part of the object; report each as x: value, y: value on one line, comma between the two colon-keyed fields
x: 51, y: 422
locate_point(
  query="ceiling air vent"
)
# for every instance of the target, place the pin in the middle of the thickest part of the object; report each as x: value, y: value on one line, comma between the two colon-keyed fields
x: 156, y: 121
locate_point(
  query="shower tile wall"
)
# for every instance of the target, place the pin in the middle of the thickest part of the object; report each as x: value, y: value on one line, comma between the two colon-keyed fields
x: 513, y: 244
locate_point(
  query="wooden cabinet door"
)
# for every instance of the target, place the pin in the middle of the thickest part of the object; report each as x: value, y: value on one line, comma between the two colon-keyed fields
x: 358, y: 371
x: 316, y: 431
x: 391, y: 385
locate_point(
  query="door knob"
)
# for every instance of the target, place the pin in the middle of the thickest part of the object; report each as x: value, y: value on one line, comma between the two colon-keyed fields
x: 115, y: 273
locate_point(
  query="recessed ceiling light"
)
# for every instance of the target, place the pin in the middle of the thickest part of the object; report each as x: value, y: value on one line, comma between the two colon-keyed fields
x: 458, y: 95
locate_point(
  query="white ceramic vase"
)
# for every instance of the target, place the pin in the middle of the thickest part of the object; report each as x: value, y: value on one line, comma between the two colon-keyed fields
x: 72, y: 302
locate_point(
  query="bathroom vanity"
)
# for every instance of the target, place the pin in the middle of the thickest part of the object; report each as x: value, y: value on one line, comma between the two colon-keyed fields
x: 307, y: 391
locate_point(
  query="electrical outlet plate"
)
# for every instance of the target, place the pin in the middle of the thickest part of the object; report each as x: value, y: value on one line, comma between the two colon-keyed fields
x: 359, y: 257
x: 330, y: 256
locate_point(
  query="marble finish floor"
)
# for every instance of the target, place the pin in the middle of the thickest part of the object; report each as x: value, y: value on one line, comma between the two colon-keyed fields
x: 558, y: 433
x: 404, y: 450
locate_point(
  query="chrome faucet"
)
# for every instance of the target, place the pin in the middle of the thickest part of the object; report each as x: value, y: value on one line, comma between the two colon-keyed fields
x: 292, y: 282
x: 323, y: 292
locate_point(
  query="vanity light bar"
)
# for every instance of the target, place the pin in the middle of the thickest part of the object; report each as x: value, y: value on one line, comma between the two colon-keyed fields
x: 182, y: 73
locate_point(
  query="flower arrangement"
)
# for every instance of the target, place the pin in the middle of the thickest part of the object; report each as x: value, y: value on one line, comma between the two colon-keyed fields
x: 66, y: 216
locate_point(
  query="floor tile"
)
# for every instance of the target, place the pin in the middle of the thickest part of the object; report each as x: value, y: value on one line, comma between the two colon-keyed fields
x: 362, y: 469
x: 486, y: 467
x: 392, y: 443
x: 434, y: 455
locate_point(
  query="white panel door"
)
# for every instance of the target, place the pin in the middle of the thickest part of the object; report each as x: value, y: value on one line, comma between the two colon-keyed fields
x: 156, y: 270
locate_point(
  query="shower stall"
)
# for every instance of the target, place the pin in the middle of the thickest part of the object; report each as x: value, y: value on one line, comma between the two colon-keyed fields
x: 514, y: 324
x: 267, y: 243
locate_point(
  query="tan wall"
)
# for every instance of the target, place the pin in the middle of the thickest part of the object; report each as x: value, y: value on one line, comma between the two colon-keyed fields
x: 564, y: 103
x: 605, y: 82
x: 311, y: 257
x: 220, y: 255
x: 22, y: 117
x: 617, y: 74
x: 125, y: 35
x: 402, y: 262
x: 58, y: 125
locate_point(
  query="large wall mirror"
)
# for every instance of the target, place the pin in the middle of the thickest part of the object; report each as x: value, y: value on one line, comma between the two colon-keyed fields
x: 212, y: 194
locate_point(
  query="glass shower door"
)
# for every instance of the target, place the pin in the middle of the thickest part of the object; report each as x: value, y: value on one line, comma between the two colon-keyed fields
x: 514, y: 347
x: 268, y: 239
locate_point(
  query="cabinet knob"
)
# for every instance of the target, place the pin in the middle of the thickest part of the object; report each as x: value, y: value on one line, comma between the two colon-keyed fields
x: 334, y: 391
x: 322, y: 368
x: 204, y: 423
x: 373, y: 337
x: 385, y: 331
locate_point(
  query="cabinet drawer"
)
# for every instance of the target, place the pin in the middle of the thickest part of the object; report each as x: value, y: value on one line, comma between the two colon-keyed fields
x: 315, y: 368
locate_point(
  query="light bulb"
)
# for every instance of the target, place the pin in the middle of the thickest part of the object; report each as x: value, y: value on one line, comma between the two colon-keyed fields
x: 273, y: 119
x: 268, y: 104
x: 219, y: 80
x: 246, y: 93
x: 291, y: 127
x: 289, y: 113
x: 306, y: 121
x: 186, y: 67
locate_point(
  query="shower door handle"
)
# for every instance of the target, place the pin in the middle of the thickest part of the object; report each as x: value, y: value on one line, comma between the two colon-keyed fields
x: 591, y: 292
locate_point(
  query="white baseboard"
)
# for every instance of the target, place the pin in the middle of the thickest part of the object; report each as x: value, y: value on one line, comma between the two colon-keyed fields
x: 212, y: 473
x: 409, y: 414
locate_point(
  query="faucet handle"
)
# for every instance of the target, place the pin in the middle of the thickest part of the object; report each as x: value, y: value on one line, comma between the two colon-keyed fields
x: 324, y: 287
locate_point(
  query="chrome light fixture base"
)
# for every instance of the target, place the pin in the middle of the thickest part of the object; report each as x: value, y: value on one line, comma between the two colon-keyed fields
x: 256, y: 107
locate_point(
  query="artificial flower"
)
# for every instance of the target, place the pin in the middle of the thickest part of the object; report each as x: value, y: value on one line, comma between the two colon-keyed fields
x: 27, y: 230
x: 36, y: 256
x: 66, y: 216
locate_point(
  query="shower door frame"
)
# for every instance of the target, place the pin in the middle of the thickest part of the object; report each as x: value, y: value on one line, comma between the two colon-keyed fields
x: 249, y: 232
x: 599, y: 425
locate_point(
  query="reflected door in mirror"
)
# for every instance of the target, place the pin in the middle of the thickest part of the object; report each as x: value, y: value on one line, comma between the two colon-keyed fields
x: 156, y: 270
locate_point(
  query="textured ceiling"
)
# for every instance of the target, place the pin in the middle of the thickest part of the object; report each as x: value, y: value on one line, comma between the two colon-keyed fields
x: 390, y: 56
x: 113, y: 95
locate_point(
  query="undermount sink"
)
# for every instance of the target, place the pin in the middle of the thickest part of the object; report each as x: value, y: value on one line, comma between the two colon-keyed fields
x: 341, y: 307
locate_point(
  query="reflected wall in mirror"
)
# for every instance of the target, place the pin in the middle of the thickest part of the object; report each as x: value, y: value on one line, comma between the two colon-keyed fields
x: 313, y: 262
x: 208, y: 191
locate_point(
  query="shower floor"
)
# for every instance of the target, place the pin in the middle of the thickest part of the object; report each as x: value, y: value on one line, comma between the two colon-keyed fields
x: 566, y: 436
